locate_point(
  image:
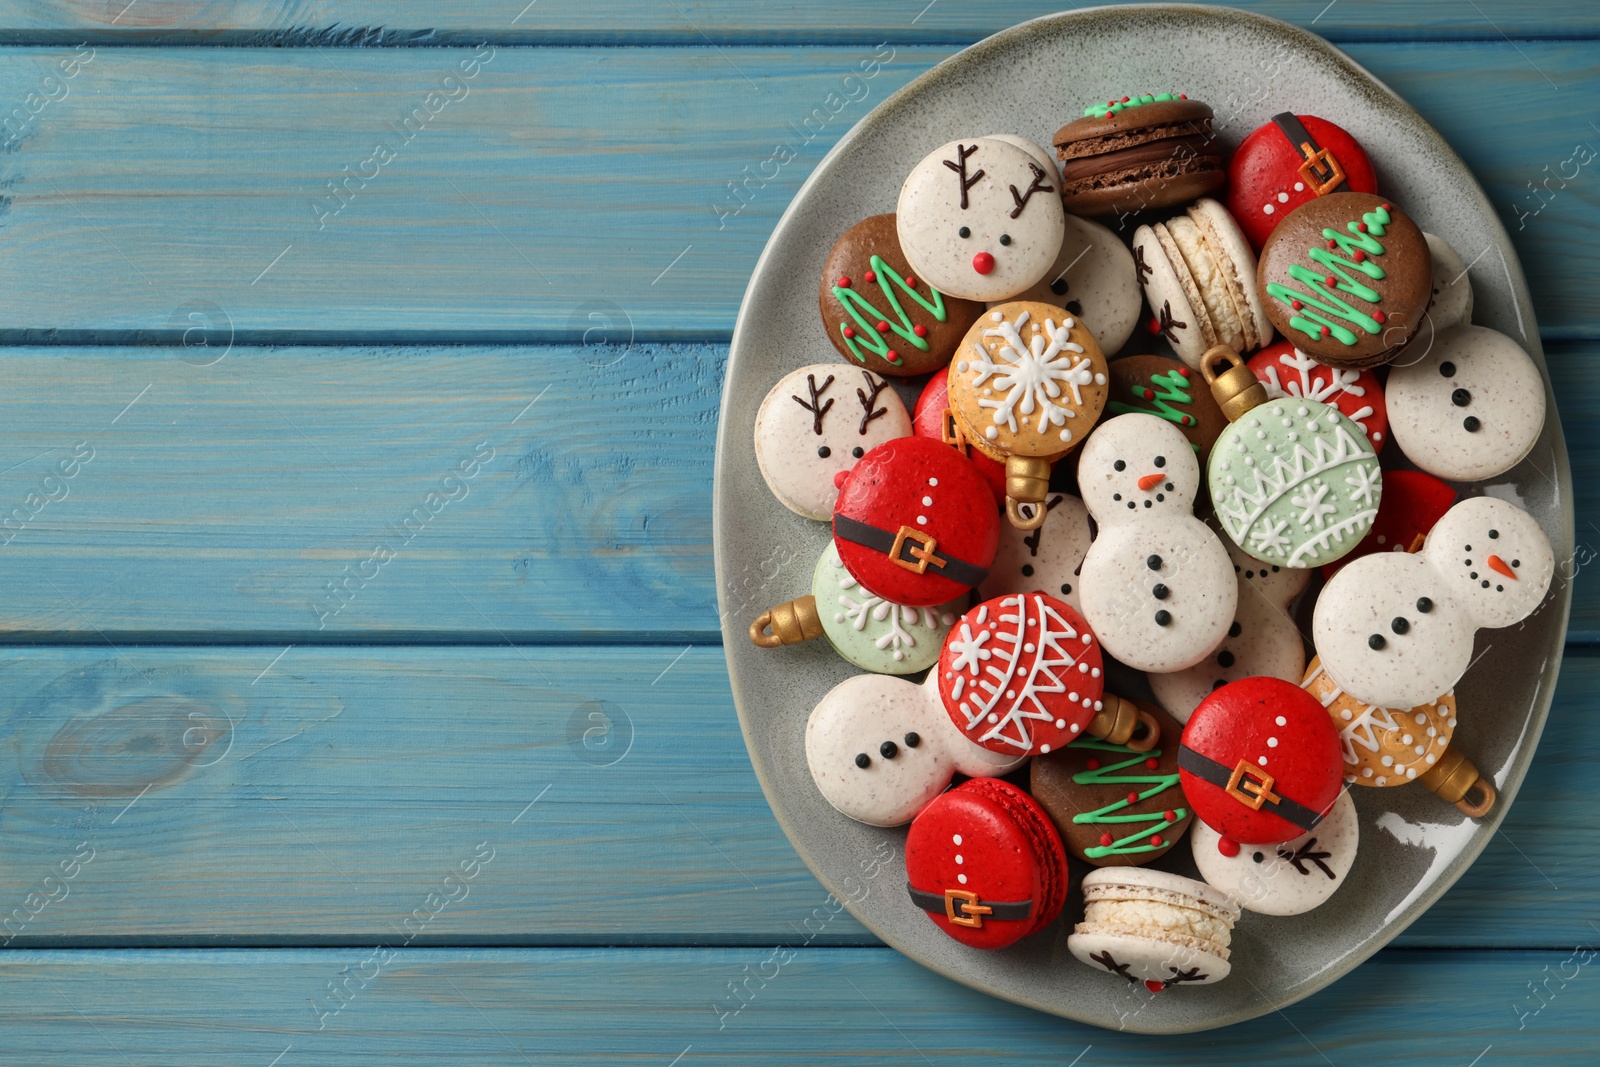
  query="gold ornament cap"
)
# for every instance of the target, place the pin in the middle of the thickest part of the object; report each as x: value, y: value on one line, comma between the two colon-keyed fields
x: 1122, y: 722
x: 791, y: 623
x: 1236, y: 389
x: 1027, y: 482
x: 1455, y: 779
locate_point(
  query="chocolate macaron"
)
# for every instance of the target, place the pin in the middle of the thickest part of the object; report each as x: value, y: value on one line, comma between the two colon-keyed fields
x: 879, y: 314
x: 1165, y: 388
x: 1138, y: 153
x: 1347, y: 278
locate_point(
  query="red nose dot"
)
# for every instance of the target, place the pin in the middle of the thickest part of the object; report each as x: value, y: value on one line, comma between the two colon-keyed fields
x: 1155, y: 326
x: 1227, y: 846
x: 983, y: 263
x: 839, y: 479
x: 1153, y: 985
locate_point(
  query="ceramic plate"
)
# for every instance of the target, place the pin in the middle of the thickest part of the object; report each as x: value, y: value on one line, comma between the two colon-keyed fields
x: 1030, y: 80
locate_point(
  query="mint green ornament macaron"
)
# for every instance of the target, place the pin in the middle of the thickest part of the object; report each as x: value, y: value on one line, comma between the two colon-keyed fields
x: 1294, y: 482
x: 873, y: 633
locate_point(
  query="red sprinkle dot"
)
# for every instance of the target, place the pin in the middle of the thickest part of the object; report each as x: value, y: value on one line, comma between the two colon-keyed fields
x: 892, y: 356
x: 1330, y: 280
x: 1170, y: 816
x: 920, y: 330
x: 1361, y: 227
x: 1227, y: 846
x: 1296, y: 304
x: 910, y: 281
x: 1332, y: 243
x: 1133, y: 798
x: 1125, y: 99
x: 844, y: 281
x: 871, y: 276
x: 1155, y: 839
x: 1187, y: 420
x: 849, y: 331
x: 883, y: 327
x: 1152, y: 763
x: 1143, y: 392
x: 1183, y: 372
x: 1378, y: 316
x: 1105, y: 840
x: 1154, y: 985
x: 1359, y: 256
x: 1322, y: 331
x: 1385, y: 206
x: 1093, y: 764
x: 1183, y: 96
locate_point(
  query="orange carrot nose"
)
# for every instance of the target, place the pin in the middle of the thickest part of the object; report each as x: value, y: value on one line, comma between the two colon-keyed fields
x: 1150, y: 481
x: 1498, y: 564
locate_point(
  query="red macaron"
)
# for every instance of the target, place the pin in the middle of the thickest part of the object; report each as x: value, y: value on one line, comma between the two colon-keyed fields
x: 915, y: 523
x: 932, y: 419
x: 1260, y: 762
x: 1288, y: 161
x: 987, y: 864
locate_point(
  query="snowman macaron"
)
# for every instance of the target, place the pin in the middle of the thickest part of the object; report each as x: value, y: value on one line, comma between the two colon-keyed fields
x: 980, y: 219
x: 814, y: 425
x: 1470, y: 408
x: 1262, y: 642
x: 1095, y: 279
x: 1157, y: 587
x: 1047, y: 559
x: 1396, y: 629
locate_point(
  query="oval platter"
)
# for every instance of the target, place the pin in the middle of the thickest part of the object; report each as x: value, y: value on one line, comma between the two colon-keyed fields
x: 1029, y: 80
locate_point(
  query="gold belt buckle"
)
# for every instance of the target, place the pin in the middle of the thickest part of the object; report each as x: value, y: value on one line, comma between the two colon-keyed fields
x: 950, y: 432
x: 1246, y: 778
x: 972, y: 912
x: 1321, y: 169
x: 922, y: 549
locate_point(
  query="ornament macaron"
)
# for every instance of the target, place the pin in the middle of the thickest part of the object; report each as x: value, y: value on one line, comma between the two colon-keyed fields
x: 1199, y: 275
x: 1026, y: 387
x: 878, y: 313
x: 931, y: 417
x: 986, y: 864
x: 915, y: 523
x: 1114, y: 805
x: 1154, y: 928
x: 1289, y: 878
x: 1288, y: 161
x: 980, y: 219
x: 1095, y: 280
x: 1137, y: 153
x: 1347, y: 277
x: 1294, y: 482
x: 813, y: 426
x: 1470, y: 408
x: 1260, y: 762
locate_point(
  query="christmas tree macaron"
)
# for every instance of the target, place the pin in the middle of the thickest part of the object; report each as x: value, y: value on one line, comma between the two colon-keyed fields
x: 1347, y: 278
x: 1167, y: 389
x: 1294, y: 481
x: 1114, y: 806
x: 879, y: 314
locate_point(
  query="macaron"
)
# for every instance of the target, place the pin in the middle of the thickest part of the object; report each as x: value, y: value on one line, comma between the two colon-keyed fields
x: 1094, y: 278
x: 1412, y: 502
x: 1153, y: 927
x: 1045, y: 560
x: 1288, y: 372
x: 1114, y: 806
x: 986, y: 864
x: 1167, y: 389
x: 1347, y: 277
x: 1260, y: 762
x: 1384, y: 746
x: 813, y: 427
x: 1136, y: 153
x: 1290, y: 878
x: 1470, y: 408
x: 980, y: 219
x: 871, y: 632
x: 916, y: 523
x: 1198, y: 273
x: 931, y: 418
x: 879, y: 314
x: 1288, y: 161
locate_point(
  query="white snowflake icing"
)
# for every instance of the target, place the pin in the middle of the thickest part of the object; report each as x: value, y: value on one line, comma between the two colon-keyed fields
x: 1033, y: 373
x: 1043, y: 665
x: 1367, y: 483
x: 1313, y: 503
x: 898, y: 616
x: 1268, y: 535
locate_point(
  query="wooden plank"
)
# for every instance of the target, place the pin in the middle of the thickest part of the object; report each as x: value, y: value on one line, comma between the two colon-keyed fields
x: 816, y: 1005
x: 264, y: 796
x: 157, y: 185
x: 330, y: 23
x: 229, y: 497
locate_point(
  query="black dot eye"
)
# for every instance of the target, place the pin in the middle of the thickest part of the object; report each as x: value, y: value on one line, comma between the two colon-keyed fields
x: 1235, y: 630
x: 1471, y: 424
x: 1258, y: 857
x: 964, y: 232
x: 1074, y: 307
x: 1161, y: 461
x: 888, y: 750
x: 1447, y: 369
x: 863, y: 760
x: 1376, y: 642
x: 1515, y: 564
x: 1494, y: 533
x: 1059, y: 287
x: 1400, y: 625
x: 1116, y: 496
x: 913, y: 739
x: 1460, y: 398
x: 1224, y: 659
x: 1424, y: 605
x: 1160, y: 592
x: 1065, y: 589
x: 824, y: 451
x: 1119, y: 465
x: 858, y: 452
x: 1163, y: 617
x: 1027, y: 570
x: 1154, y: 563
x: 1005, y: 238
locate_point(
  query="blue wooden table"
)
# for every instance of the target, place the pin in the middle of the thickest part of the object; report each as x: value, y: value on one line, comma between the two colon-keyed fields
x: 363, y: 698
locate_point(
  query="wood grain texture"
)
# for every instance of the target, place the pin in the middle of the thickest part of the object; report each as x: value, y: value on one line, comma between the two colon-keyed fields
x: 164, y: 182
x: 331, y: 23
x: 247, y: 500
x: 233, y: 796
x: 665, y: 1007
